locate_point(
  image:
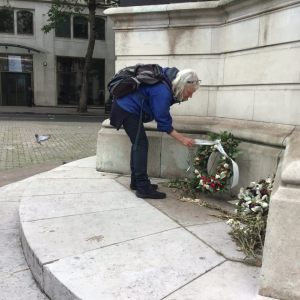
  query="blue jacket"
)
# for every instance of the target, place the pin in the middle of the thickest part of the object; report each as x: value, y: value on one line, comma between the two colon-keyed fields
x: 160, y: 100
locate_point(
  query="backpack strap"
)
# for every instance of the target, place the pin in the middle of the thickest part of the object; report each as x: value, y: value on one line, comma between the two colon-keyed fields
x: 141, y: 119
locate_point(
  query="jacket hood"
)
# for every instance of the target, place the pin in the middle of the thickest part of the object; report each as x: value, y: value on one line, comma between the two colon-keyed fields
x: 170, y: 74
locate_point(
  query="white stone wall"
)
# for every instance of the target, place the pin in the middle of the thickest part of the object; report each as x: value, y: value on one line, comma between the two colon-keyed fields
x: 247, y: 54
x: 44, y: 78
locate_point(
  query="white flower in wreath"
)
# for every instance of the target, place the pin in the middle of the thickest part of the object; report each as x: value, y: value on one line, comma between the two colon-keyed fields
x: 196, y: 171
x: 224, y: 157
x: 215, y: 146
x: 264, y: 204
x: 217, y: 176
x: 236, y: 211
x: 226, y: 165
x: 201, y: 182
x: 256, y: 209
x: 258, y: 198
x: 247, y: 211
x: 258, y: 192
x: 264, y: 197
x: 199, y: 176
x: 229, y: 222
x: 269, y: 180
x: 207, y: 186
x: 248, y: 202
x: 259, y: 187
x: 218, y: 189
x: 241, y: 196
x: 242, y: 190
x: 253, y: 184
x: 248, y: 198
x: 197, y: 158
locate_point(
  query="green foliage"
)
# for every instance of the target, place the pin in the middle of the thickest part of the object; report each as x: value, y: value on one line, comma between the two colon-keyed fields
x: 60, y: 9
x: 6, y: 10
x: 216, y: 182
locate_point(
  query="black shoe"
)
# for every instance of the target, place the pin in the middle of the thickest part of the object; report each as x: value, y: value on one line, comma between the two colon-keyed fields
x: 149, y: 192
x: 133, y: 186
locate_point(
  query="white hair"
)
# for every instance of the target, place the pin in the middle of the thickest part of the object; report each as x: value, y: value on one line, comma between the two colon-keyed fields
x: 184, y: 78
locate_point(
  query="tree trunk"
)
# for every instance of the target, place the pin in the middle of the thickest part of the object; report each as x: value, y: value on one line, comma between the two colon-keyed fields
x: 82, y: 106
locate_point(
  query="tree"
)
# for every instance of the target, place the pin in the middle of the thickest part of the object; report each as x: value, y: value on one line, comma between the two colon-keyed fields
x: 6, y: 13
x: 58, y: 12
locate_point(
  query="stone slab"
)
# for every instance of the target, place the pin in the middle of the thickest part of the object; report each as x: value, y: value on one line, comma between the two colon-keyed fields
x: 51, y: 186
x: 13, y: 191
x: 77, y: 172
x: 147, y: 268
x: 88, y: 162
x: 54, y: 206
x: 114, y: 147
x: 21, y: 286
x: 257, y: 161
x: 184, y: 213
x: 12, y: 257
x: 228, y: 281
x: 52, y: 239
x: 216, y: 235
x: 9, y: 215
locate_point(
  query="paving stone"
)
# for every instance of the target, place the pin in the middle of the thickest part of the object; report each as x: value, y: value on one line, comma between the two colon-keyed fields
x: 69, y: 141
x: 216, y: 235
x: 77, y: 172
x: 13, y: 191
x: 184, y: 213
x: 9, y: 217
x: 88, y: 162
x: 147, y: 268
x: 12, y: 257
x: 20, y: 286
x: 52, y: 239
x: 50, y: 206
x: 50, y: 186
x: 228, y: 281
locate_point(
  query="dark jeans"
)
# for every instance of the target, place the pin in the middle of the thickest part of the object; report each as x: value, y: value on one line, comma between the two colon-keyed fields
x: 138, y: 158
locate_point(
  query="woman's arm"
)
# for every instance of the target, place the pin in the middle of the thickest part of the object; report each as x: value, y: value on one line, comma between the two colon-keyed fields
x: 184, y: 140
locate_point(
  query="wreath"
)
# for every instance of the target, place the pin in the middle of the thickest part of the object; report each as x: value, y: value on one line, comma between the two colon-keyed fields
x: 220, y: 180
x: 217, y: 182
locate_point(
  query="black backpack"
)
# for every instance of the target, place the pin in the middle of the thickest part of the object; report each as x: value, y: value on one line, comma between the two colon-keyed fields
x: 129, y: 78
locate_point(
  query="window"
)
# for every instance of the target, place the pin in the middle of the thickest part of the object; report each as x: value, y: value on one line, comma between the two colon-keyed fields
x: 80, y: 27
x: 100, y: 29
x: 6, y: 21
x: 64, y: 29
x: 16, y: 63
x: 70, y: 76
x: 25, y: 22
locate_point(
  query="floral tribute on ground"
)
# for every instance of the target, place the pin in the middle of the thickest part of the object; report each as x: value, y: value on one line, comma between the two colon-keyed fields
x: 216, y: 182
x: 249, y: 221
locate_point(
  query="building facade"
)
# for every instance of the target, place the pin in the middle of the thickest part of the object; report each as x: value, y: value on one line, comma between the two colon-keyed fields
x: 52, y: 64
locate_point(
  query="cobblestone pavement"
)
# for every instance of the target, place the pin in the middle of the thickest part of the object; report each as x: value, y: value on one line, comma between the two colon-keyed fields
x: 68, y: 141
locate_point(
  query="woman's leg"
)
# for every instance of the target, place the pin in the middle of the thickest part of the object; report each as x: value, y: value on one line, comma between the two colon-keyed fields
x: 139, y: 157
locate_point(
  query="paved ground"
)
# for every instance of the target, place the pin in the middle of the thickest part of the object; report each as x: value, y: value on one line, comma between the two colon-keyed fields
x: 87, y: 236
x: 72, y: 137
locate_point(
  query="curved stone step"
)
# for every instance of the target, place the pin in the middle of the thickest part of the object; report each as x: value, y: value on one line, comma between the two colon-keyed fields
x: 86, y: 236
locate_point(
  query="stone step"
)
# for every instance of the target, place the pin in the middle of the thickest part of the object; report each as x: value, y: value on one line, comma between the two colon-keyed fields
x: 86, y: 236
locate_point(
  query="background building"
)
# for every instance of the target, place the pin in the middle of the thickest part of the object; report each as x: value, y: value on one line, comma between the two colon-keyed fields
x: 52, y: 64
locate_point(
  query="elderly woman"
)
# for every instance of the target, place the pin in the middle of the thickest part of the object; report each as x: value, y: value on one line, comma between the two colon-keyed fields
x: 126, y: 111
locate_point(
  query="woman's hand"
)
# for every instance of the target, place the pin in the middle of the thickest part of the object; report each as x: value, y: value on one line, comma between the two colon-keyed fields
x: 188, y: 142
x: 184, y: 140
